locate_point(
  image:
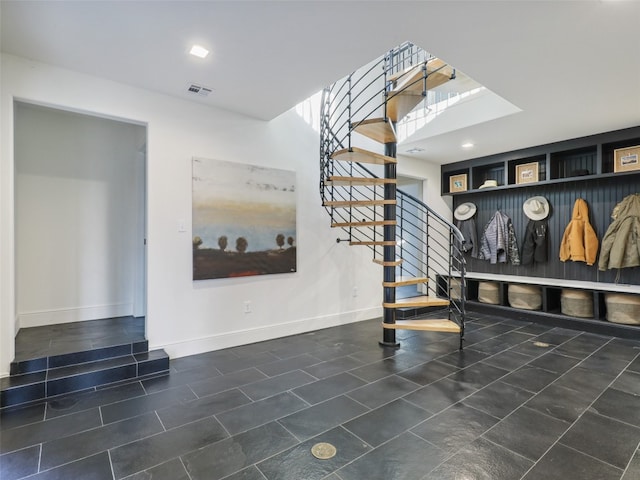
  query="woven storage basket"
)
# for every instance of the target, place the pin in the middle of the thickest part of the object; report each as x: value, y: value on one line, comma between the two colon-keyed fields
x: 576, y: 303
x: 489, y: 292
x: 456, y: 289
x: 527, y: 297
x: 623, y: 308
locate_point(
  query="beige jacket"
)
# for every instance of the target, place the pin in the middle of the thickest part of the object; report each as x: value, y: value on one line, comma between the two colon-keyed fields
x: 621, y: 242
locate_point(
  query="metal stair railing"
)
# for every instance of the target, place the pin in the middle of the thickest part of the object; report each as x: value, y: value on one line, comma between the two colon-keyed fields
x: 427, y: 243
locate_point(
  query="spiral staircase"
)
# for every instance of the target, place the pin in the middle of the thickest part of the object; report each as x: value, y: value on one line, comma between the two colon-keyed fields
x: 414, y: 244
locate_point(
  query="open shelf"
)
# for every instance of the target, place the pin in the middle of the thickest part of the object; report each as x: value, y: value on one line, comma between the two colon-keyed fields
x: 574, y: 160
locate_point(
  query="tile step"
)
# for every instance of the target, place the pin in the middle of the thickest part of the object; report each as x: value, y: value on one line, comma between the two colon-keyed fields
x: 29, y: 387
x: 81, y: 357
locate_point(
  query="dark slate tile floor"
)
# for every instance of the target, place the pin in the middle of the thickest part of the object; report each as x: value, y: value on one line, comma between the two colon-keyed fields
x: 521, y: 402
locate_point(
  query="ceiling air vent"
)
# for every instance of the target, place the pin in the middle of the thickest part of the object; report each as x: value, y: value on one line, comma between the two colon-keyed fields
x: 199, y: 90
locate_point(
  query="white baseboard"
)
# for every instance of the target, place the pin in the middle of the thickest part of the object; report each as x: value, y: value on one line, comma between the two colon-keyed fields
x: 68, y: 315
x: 247, y: 336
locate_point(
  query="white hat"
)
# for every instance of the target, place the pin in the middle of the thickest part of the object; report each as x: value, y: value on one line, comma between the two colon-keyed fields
x: 465, y: 211
x: 489, y: 183
x: 536, y: 208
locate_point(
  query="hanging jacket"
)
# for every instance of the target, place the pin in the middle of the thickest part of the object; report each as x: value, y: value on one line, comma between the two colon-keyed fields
x: 470, y: 234
x: 498, y: 242
x: 579, y: 242
x: 535, y: 242
x: 621, y: 242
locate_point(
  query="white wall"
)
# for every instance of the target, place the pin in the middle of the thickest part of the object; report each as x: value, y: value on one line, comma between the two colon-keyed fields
x: 411, y: 167
x: 430, y: 172
x: 77, y: 208
x: 183, y: 316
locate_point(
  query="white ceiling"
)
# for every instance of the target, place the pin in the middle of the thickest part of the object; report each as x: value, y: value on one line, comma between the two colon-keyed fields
x: 571, y: 67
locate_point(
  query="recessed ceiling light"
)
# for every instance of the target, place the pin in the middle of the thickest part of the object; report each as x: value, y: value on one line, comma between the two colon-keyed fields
x: 199, y: 51
x: 415, y: 150
x: 467, y: 145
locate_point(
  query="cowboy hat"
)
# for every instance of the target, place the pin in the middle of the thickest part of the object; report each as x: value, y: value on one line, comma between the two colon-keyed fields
x: 465, y: 211
x: 536, y: 208
x: 489, y: 183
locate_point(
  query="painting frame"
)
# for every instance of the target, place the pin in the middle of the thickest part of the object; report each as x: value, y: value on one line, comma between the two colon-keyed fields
x: 244, y: 220
x: 458, y: 183
x: 626, y: 159
x: 527, y: 173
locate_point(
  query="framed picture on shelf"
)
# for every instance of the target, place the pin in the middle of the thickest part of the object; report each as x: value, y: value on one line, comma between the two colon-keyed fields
x: 626, y: 159
x: 527, y: 173
x: 458, y: 183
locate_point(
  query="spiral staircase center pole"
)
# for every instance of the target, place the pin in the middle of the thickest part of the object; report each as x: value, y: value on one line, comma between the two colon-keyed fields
x: 389, y: 269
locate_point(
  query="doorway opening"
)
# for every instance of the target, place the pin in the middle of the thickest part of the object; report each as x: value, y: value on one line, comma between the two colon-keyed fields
x: 414, y: 187
x: 80, y: 222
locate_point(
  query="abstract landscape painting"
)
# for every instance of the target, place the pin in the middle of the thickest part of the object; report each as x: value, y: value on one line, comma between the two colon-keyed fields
x: 244, y: 220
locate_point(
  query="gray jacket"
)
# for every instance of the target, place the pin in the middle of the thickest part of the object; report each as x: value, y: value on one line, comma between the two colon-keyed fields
x: 498, y: 243
x: 470, y: 234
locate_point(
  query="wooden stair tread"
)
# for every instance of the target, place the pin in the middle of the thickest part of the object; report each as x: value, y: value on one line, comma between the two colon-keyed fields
x: 361, y: 155
x: 359, y: 181
x: 373, y: 223
x: 393, y: 263
x: 399, y: 106
x: 381, y: 243
x: 402, y: 281
x: 403, y: 77
x: 421, y: 301
x: 431, y: 325
x: 377, y: 129
x: 409, y: 87
x: 411, y: 77
x: 358, y: 203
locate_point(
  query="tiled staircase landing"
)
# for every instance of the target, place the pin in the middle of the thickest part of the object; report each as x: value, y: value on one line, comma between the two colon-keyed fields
x: 59, y: 359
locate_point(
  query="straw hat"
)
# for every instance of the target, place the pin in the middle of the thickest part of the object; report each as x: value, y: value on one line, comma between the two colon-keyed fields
x: 536, y: 208
x: 465, y: 211
x: 489, y: 183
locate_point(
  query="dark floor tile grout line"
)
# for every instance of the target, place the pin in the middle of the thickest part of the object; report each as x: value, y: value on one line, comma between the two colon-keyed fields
x: 293, y: 434
x: 62, y: 464
x: 472, y: 407
x: 533, y: 462
x: 595, y: 458
x: 147, y: 468
x: 636, y: 452
x: 113, y: 473
x: 259, y: 471
x: 198, y: 397
x: 369, y: 409
x: 409, y: 432
x: 160, y: 420
x: 185, y: 467
x: 295, y: 395
x: 39, y: 456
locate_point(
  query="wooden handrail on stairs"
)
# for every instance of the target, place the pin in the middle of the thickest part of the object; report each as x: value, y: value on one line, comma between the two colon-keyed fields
x: 414, y: 244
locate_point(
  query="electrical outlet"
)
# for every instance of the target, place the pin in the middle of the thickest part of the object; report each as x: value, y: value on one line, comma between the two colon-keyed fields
x: 246, y: 306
